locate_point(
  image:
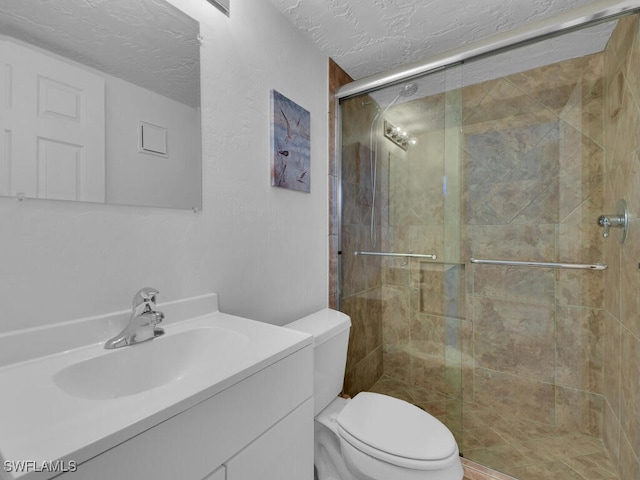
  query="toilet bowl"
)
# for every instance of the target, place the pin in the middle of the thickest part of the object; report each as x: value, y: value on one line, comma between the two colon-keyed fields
x: 372, y: 436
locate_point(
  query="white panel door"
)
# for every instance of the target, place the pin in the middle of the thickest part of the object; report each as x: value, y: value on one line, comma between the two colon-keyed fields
x: 52, y: 127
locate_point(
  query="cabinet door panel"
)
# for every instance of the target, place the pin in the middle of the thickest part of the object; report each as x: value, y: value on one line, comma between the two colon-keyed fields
x: 284, y: 452
x: 219, y: 474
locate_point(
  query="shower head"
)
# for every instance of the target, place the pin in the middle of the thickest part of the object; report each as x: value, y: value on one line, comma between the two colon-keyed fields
x: 405, y: 92
x: 408, y: 90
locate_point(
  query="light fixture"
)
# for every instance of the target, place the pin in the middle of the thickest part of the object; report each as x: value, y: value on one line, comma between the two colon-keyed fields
x: 399, y: 136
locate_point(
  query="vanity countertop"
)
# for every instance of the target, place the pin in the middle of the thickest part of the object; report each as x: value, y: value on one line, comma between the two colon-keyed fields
x: 42, y: 422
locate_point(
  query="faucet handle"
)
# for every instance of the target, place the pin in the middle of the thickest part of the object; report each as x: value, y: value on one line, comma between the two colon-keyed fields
x: 605, y: 222
x: 619, y: 219
x: 144, y: 300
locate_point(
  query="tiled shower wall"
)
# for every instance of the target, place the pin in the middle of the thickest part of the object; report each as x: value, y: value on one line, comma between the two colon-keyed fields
x: 361, y: 287
x: 337, y: 78
x: 621, y: 318
x: 533, y: 165
x: 544, y: 153
x: 423, y: 316
x: 529, y: 341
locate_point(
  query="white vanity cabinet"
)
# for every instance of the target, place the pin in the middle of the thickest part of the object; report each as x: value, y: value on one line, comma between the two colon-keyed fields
x: 219, y: 474
x: 283, y: 452
x: 261, y: 428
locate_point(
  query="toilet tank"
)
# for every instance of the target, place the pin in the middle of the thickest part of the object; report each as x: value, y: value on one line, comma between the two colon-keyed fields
x: 330, y: 330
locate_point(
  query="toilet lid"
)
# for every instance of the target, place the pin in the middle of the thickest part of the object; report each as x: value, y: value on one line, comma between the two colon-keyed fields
x: 395, y: 427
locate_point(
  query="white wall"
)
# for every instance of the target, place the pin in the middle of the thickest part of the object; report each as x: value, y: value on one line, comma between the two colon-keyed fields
x: 135, y: 178
x: 263, y: 249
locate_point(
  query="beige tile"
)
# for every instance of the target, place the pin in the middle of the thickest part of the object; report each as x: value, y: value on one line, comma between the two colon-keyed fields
x: 630, y: 389
x: 630, y: 276
x: 503, y: 101
x: 552, y: 84
x: 396, y: 315
x: 633, y: 61
x: 581, y: 169
x: 579, y: 410
x: 515, y: 337
x: 477, y: 438
x: 544, y: 208
x: 425, y: 239
x: 515, y: 397
x: 584, y: 444
x: 441, y: 290
x: 629, y: 466
x: 396, y: 271
x: 596, y: 466
x: 579, y: 243
x: 500, y: 457
x: 512, y: 242
x: 428, y: 370
x: 547, y: 471
x: 579, y: 287
x: 585, y: 110
x: 364, y: 374
x: 622, y: 38
x: 431, y: 295
x: 580, y: 348
x: 395, y: 362
x: 611, y: 277
x: 355, y: 308
x: 515, y: 283
x: 519, y: 430
x: 549, y: 447
x: 391, y: 386
x: 427, y: 334
x: 611, y: 434
x: 473, y: 95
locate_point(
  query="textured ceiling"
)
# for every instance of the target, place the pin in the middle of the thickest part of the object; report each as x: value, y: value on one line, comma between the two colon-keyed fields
x: 146, y: 42
x: 371, y: 36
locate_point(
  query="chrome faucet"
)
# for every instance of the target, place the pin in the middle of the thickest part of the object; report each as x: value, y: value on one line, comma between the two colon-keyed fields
x: 608, y: 221
x: 143, y: 321
x: 620, y: 219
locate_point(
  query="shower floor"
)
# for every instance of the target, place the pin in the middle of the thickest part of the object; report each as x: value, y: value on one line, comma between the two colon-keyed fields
x: 524, y: 450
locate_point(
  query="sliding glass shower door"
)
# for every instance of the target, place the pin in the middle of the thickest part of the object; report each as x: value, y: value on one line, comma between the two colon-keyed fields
x: 403, y: 277
x: 472, y: 264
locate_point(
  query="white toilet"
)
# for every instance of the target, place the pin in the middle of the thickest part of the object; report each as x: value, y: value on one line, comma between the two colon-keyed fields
x: 372, y: 436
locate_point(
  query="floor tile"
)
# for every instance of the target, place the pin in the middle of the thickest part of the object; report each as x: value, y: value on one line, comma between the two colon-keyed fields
x: 521, y: 448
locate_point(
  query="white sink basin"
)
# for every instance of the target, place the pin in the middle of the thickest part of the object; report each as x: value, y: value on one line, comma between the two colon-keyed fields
x: 81, y: 400
x: 144, y: 366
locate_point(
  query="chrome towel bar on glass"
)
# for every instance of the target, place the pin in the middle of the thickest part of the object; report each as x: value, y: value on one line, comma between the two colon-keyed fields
x: 391, y: 254
x: 574, y: 266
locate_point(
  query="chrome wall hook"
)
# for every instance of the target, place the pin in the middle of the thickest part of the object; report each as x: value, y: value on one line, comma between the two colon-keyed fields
x: 618, y: 220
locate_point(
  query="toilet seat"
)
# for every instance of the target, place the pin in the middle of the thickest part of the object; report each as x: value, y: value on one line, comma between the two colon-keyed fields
x: 396, y: 432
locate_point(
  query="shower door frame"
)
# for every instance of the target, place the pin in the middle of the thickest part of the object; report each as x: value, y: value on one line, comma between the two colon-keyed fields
x: 572, y: 20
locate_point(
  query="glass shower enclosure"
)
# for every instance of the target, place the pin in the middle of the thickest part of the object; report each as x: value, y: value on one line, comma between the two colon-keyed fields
x: 472, y: 264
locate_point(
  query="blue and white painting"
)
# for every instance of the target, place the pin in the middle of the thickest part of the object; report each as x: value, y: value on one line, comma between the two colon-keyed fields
x: 290, y: 144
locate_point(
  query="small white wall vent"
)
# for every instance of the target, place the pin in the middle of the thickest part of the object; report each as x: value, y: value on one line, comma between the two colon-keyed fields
x: 222, y: 5
x: 153, y: 139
